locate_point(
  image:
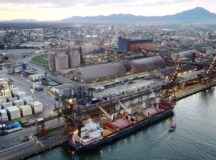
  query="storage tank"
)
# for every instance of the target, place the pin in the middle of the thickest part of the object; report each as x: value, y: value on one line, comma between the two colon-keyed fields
x: 13, y: 112
x: 74, y: 58
x: 61, y: 62
x: 51, y: 60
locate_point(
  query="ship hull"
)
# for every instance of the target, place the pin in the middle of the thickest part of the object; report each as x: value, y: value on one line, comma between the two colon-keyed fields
x: 119, y: 134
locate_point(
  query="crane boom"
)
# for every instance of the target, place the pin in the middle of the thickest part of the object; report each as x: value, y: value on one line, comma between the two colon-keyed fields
x: 105, y: 113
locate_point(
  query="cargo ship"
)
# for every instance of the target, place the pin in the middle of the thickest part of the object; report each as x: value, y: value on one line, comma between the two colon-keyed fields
x: 95, y: 133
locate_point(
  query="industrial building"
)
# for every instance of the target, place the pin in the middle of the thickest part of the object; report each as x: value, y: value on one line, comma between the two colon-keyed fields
x: 146, y: 64
x: 134, y: 45
x: 97, y: 72
x: 63, y: 90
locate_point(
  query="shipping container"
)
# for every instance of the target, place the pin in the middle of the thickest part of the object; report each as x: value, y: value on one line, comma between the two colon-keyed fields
x: 13, y: 112
x: 19, y: 102
x: 28, y: 100
x: 4, y: 116
x: 37, y: 107
x: 6, y: 105
x: 26, y: 110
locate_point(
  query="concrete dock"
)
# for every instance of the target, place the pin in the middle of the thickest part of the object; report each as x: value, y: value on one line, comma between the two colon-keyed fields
x: 11, y: 148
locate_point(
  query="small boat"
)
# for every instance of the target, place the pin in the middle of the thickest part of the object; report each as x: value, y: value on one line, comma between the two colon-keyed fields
x: 172, y: 126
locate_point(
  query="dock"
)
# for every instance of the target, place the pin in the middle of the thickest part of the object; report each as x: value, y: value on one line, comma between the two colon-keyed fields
x: 57, y: 137
x: 35, y: 145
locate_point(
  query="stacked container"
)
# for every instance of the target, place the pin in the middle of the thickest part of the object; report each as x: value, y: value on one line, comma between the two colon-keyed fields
x: 28, y: 100
x: 13, y: 112
x: 37, y: 107
x: 19, y: 94
x: 36, y: 77
x: 4, y: 116
x: 19, y: 102
x: 6, y: 105
x: 12, y: 99
x: 2, y: 99
x: 7, y: 93
x: 26, y: 110
x: 15, y: 89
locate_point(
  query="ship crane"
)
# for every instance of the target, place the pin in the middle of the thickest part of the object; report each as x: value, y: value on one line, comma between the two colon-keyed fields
x: 123, y: 106
x: 105, y: 113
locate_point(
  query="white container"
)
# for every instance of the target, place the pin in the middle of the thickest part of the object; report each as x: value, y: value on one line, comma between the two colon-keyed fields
x: 36, y: 77
x: 14, y: 112
x: 12, y: 99
x: 26, y: 110
x: 3, y: 99
x: 19, y: 102
x: 14, y: 90
x: 37, y: 107
x: 7, y: 93
x: 6, y: 105
x: 28, y: 100
x: 20, y: 94
x: 4, y: 117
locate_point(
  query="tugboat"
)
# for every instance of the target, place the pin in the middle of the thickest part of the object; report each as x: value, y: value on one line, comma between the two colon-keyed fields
x: 172, y: 126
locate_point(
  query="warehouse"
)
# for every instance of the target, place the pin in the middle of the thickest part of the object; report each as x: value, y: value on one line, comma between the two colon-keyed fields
x: 98, y: 72
x: 183, y: 69
x: 146, y: 64
x: 190, y: 55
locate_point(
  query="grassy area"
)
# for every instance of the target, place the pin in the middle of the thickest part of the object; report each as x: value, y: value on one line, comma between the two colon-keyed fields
x: 40, y: 60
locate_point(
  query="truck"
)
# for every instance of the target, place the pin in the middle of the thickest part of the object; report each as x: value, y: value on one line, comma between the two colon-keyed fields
x: 16, y: 126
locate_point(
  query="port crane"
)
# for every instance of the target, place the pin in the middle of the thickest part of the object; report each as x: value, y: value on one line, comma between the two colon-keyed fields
x: 210, y: 73
x: 168, y: 90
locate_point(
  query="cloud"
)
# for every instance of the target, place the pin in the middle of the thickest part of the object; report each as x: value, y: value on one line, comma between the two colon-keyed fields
x: 60, y: 9
x: 66, y: 3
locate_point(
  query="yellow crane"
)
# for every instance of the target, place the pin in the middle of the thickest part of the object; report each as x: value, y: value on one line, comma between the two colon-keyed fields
x: 105, y: 113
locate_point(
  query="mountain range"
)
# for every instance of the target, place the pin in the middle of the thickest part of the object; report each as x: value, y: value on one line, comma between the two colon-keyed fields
x: 195, y: 15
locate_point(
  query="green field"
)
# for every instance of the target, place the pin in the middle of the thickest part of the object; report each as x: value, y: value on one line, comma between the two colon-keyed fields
x: 40, y: 60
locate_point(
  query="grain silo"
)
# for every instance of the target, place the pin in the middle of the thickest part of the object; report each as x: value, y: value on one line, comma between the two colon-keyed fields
x: 74, y: 56
x: 61, y: 62
x: 51, y: 60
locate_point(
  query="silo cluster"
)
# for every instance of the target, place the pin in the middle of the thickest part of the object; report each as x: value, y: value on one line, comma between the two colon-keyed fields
x: 60, y: 60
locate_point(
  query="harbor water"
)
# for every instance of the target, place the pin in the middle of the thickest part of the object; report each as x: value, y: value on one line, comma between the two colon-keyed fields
x: 193, y: 139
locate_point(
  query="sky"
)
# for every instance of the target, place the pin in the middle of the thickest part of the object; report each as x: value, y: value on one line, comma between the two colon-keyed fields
x: 59, y: 9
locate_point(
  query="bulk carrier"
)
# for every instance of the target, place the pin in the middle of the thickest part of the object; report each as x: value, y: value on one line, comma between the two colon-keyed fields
x: 95, y: 133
